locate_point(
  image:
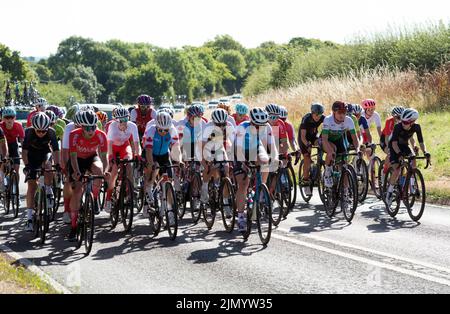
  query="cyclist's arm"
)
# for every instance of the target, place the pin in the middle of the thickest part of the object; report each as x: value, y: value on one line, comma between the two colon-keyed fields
x: 420, y: 138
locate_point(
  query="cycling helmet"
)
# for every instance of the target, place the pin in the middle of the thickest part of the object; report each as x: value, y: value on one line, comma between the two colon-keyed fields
x: 9, y: 112
x: 273, y: 109
x: 397, y: 111
x: 144, y: 100
x: 241, y: 109
x: 88, y: 118
x: 40, y: 121
x: 194, y: 111
x: 163, y: 120
x: 41, y: 102
x: 259, y: 116
x: 339, y: 106
x: 102, y: 116
x: 283, y: 113
x: 122, y: 113
x: 219, y: 116
x: 317, y: 108
x: 368, y: 103
x: 56, y: 110
x: 77, y: 118
x: 52, y: 116
x: 409, y: 115
x: 357, y: 109
x: 350, y: 109
x: 168, y: 110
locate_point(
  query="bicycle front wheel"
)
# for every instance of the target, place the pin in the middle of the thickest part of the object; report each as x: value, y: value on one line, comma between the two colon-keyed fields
x: 264, y: 214
x: 302, y: 185
x: 277, y: 199
x: 88, y: 223
x: 209, y: 208
x: 194, y: 194
x: 126, y: 204
x: 395, y: 204
x: 293, y: 187
x: 14, y: 194
x: 227, y: 203
x: 349, y: 195
x: 375, y: 179
x: 415, y: 195
x: 362, y: 176
x: 171, y: 210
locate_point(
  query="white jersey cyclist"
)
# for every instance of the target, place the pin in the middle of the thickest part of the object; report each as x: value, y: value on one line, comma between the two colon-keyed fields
x: 218, y: 140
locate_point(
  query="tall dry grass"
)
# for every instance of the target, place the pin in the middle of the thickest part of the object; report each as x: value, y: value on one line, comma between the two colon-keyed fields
x: 429, y: 92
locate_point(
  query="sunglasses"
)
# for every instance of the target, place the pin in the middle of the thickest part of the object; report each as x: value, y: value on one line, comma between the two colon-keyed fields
x: 8, y: 118
x: 124, y: 120
x: 163, y: 130
x: 407, y: 122
x: 221, y: 125
x: 90, y: 128
x: 273, y: 117
x: 41, y: 131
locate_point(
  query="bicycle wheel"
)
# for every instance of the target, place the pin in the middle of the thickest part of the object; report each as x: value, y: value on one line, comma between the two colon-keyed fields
x: 194, y: 195
x: 395, y: 205
x: 264, y: 215
x: 349, y: 195
x: 37, y: 215
x: 228, y: 218
x: 14, y: 194
x: 181, y: 197
x: 57, y: 196
x: 293, y: 187
x: 44, y: 220
x: 375, y: 176
x: 126, y: 203
x: 381, y: 179
x: 140, y: 196
x: 285, y: 191
x: 102, y: 194
x: 209, y: 209
x: 88, y: 223
x: 80, y: 225
x: 321, y: 183
x: 301, y: 184
x: 277, y: 199
x: 362, y: 175
x: 415, y: 194
x: 171, y: 210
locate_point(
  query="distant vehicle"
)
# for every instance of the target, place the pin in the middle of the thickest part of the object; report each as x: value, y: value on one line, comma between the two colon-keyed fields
x: 166, y: 106
x: 108, y: 108
x: 179, y: 107
x: 224, y: 100
x: 212, y: 104
x: 236, y: 98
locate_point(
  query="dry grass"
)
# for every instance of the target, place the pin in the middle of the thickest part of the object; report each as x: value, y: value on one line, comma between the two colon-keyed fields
x: 387, y: 87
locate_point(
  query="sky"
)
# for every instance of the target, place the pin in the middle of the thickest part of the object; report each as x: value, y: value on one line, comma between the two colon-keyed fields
x: 44, y: 24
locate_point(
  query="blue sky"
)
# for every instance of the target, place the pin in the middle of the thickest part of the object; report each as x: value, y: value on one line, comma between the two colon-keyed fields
x: 174, y: 23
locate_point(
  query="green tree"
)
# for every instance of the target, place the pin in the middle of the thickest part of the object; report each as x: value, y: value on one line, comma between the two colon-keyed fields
x: 12, y: 63
x: 84, y: 79
x: 235, y: 62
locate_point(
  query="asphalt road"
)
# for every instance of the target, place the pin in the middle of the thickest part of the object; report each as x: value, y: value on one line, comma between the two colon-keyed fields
x: 308, y: 253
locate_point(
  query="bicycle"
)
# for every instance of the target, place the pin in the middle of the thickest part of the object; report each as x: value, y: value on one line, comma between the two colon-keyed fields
x: 375, y: 168
x: 315, y: 171
x: 343, y: 177
x: 41, y: 215
x: 216, y: 191
x: 122, y: 197
x: 11, y: 195
x: 362, y: 176
x: 191, y: 187
x: 406, y: 188
x: 58, y: 181
x: 258, y: 205
x: 139, y: 184
x: 85, y: 222
x: 292, y: 178
x: 164, y: 203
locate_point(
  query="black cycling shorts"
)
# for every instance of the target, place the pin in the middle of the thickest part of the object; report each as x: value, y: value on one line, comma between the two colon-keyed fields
x: 13, y: 149
x: 36, y: 159
x: 394, y: 158
x: 83, y: 164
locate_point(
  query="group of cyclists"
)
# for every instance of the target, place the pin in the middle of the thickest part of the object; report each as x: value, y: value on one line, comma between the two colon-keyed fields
x: 240, y: 139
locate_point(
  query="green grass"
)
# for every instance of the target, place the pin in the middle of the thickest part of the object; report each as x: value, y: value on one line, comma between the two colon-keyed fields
x: 17, y: 279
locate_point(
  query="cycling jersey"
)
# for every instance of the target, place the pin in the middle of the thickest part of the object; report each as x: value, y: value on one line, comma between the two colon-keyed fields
x: 30, y: 116
x: 118, y: 137
x: 239, y: 121
x: 279, y: 130
x: 402, y: 136
x: 85, y: 148
x: 40, y: 145
x: 389, y: 126
x: 290, y: 130
x: 160, y: 144
x: 311, y: 128
x: 65, y: 141
x: 363, y: 124
x: 59, y: 127
x: 374, y: 118
x: 218, y: 140
x: 142, y: 120
x: 107, y: 125
x: 336, y: 131
x: 251, y: 142
x: 13, y: 134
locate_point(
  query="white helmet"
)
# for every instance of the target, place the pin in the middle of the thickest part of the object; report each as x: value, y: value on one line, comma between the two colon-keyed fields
x: 121, y: 113
x: 397, y: 111
x: 168, y: 110
x: 410, y: 115
x: 259, y: 116
x: 88, y: 118
x: 52, y: 116
x: 283, y: 113
x: 219, y: 116
x: 41, y: 102
x: 273, y: 109
x: 40, y: 121
x: 163, y: 120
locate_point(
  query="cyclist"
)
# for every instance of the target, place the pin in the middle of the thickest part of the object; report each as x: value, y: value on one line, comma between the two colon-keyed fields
x: 333, y: 137
x: 190, y: 131
x: 241, y: 114
x: 227, y: 108
x: 36, y: 154
x: 40, y: 106
x: 14, y: 134
x: 159, y: 139
x: 363, y: 124
x: 120, y: 132
x: 143, y: 113
x: 86, y: 144
x: 103, y: 118
x: 398, y: 146
x: 307, y: 137
x: 371, y: 115
x: 218, y: 137
x: 251, y: 145
x: 60, y: 114
x: 289, y: 129
x: 58, y: 127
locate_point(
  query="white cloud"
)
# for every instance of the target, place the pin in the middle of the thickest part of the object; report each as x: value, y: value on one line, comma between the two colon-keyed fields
x: 174, y: 23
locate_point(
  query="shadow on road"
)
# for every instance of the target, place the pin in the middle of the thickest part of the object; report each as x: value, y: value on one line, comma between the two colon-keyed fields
x: 384, y: 222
